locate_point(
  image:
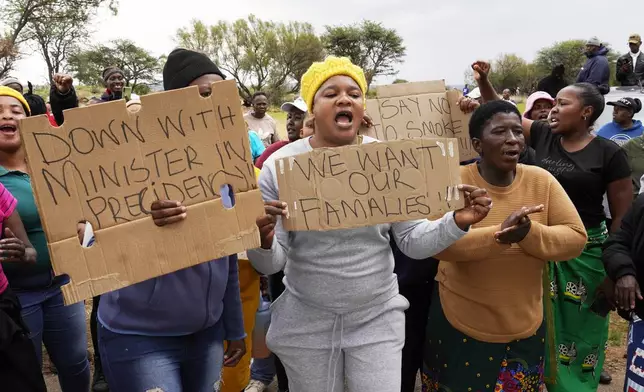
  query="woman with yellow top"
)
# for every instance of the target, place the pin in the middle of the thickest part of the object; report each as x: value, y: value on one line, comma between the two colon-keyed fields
x: 486, y: 328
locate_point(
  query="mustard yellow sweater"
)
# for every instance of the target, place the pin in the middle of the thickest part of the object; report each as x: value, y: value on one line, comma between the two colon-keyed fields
x: 493, y: 292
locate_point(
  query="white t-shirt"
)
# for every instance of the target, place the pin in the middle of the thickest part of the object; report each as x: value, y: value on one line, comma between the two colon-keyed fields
x: 642, y: 185
x: 634, y: 56
x: 265, y: 127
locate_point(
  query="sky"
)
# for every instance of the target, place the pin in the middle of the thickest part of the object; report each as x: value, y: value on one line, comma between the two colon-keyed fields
x: 442, y: 37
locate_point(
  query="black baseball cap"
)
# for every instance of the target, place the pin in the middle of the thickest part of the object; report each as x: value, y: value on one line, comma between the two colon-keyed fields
x: 628, y: 103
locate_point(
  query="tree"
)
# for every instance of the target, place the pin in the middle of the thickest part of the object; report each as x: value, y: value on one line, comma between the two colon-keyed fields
x: 569, y: 53
x: 259, y: 55
x: 370, y: 45
x: 400, y: 81
x: 529, y: 78
x: 507, y: 71
x: 51, y: 17
x: 140, y: 67
x: 57, y: 33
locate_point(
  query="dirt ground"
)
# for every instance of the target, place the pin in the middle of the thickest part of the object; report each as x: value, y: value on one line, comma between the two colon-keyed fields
x: 615, y: 362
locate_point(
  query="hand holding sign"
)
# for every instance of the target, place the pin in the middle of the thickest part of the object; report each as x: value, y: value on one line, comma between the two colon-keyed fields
x: 517, y: 225
x: 12, y: 249
x: 467, y: 105
x: 481, y: 70
x: 165, y: 212
x: 477, y: 206
x: 267, y: 222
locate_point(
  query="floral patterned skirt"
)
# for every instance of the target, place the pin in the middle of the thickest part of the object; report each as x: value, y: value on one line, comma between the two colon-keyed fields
x: 455, y: 362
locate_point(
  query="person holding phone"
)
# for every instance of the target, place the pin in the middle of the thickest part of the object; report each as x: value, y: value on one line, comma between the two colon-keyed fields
x: 630, y: 66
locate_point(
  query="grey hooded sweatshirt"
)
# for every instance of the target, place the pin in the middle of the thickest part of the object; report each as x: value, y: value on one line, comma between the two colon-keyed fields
x: 344, y: 270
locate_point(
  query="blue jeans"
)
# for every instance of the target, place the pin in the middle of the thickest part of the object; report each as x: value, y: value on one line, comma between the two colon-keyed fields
x: 136, y: 363
x: 263, y: 369
x: 63, y: 331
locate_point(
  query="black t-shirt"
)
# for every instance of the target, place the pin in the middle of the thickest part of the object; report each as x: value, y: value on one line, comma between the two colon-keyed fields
x: 528, y: 156
x: 584, y: 174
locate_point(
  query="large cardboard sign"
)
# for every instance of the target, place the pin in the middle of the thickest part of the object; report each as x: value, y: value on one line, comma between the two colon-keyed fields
x: 107, y: 165
x: 419, y: 110
x: 368, y: 184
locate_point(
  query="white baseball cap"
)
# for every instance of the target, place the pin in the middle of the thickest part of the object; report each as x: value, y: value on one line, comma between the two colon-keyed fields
x: 474, y: 94
x: 299, y: 104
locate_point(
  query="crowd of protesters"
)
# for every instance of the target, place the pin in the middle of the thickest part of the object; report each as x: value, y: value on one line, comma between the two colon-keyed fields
x: 510, y: 293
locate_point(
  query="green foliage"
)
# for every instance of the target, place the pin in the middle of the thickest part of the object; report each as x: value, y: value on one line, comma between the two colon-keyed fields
x: 569, y: 53
x: 139, y: 66
x: 53, y: 27
x: 370, y: 45
x: 400, y: 81
x: 612, y: 62
x: 529, y: 78
x: 141, y: 89
x: 260, y: 55
x: 508, y: 70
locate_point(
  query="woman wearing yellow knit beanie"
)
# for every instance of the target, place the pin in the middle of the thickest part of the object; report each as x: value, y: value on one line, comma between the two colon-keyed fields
x: 60, y: 328
x: 341, y: 316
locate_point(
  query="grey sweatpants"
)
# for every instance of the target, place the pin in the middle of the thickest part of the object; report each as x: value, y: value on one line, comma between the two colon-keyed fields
x: 319, y: 349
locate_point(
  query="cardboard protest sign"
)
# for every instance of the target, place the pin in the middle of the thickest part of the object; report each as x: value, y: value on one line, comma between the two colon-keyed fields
x: 460, y: 125
x: 416, y: 110
x: 107, y: 165
x: 368, y: 184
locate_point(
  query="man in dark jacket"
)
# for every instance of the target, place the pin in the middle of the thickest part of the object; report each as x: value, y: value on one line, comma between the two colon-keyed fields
x: 554, y: 82
x: 596, y: 70
x: 630, y: 67
x: 623, y: 259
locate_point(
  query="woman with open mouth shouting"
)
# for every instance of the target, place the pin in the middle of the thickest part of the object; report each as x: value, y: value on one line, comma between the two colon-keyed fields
x: 587, y: 167
x: 60, y: 328
x: 341, y: 316
x: 486, y: 330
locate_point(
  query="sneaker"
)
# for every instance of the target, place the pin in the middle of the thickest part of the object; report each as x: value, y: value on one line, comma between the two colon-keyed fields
x: 255, y: 386
x: 99, y: 384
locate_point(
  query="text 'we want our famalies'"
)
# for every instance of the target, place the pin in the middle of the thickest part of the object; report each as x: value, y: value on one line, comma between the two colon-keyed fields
x: 368, y: 184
